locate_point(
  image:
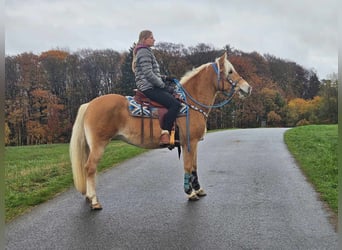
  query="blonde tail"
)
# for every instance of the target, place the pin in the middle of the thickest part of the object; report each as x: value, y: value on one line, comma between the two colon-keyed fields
x: 79, y: 151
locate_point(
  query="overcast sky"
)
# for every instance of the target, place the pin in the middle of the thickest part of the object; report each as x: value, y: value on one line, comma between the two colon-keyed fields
x: 303, y: 31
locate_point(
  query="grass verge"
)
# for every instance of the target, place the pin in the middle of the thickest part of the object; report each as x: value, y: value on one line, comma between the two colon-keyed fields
x: 35, y: 174
x: 315, y: 149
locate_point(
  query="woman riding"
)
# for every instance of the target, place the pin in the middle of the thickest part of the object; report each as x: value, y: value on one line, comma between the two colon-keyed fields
x: 149, y: 82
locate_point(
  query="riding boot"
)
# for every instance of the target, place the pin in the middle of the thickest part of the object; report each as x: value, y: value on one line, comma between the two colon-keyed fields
x: 164, y: 140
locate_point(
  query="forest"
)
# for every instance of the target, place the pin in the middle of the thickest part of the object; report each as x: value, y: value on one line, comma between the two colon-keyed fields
x: 43, y: 92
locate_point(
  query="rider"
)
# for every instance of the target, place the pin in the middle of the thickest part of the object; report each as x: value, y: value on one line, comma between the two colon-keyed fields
x: 149, y: 81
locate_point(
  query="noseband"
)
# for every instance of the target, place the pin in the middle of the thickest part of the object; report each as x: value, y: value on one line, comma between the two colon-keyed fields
x: 185, y: 94
x: 232, y: 83
x: 219, y: 105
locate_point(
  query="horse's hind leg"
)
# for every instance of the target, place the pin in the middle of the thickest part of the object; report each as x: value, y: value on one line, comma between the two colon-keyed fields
x: 95, y: 155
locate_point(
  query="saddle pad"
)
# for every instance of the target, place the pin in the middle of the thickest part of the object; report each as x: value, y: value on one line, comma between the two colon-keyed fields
x: 137, y: 110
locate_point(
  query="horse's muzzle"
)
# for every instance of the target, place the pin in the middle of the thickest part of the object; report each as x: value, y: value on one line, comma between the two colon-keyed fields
x: 245, y: 91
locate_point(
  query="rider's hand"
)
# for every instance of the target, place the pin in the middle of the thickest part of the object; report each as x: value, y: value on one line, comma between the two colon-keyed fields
x: 167, y: 78
x: 170, y: 89
x: 170, y: 78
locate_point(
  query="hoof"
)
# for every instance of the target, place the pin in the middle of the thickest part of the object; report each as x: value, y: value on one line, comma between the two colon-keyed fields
x: 96, y: 206
x: 200, y: 192
x: 193, y: 196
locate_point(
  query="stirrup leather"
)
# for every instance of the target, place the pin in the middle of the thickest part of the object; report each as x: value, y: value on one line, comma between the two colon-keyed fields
x: 172, y: 137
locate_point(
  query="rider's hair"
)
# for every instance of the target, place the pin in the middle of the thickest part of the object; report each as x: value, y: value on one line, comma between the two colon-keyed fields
x: 142, y: 36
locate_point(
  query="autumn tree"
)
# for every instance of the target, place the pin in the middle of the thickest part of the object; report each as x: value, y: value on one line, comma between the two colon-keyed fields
x: 292, y: 78
x: 251, y: 112
x: 202, y: 53
x: 45, y: 123
x: 75, y: 89
x: 312, y: 86
x: 172, y: 59
x: 17, y: 108
x: 12, y: 73
x: 127, y: 82
x: 302, y: 112
x: 329, y: 108
x: 100, y: 72
x: 54, y: 64
x: 273, y: 119
x: 44, y: 92
x: 7, y: 134
x: 273, y: 105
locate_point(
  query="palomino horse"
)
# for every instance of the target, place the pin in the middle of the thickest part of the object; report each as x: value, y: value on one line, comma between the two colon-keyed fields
x: 108, y: 117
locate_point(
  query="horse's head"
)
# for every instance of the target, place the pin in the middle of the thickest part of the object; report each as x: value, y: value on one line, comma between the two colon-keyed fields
x: 229, y: 78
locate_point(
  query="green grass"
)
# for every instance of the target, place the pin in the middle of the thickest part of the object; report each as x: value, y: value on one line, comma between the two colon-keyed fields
x: 35, y: 174
x: 315, y: 149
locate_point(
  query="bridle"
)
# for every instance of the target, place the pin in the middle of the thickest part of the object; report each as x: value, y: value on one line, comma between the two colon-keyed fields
x: 232, y: 83
x: 229, y: 96
x: 184, y: 94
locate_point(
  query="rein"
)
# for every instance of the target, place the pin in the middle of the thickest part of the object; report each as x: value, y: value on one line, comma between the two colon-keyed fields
x: 185, y: 93
x: 219, y: 105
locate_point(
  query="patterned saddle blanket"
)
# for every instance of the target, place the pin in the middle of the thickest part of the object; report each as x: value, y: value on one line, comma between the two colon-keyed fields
x: 141, y: 110
x: 150, y: 109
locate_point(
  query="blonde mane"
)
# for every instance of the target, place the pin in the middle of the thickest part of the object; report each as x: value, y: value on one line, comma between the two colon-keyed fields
x: 192, y: 72
x: 227, y: 67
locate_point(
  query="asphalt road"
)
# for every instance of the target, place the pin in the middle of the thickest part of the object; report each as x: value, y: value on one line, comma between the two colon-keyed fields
x: 257, y: 199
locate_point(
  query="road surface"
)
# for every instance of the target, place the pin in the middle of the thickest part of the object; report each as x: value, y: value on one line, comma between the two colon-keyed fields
x: 257, y: 199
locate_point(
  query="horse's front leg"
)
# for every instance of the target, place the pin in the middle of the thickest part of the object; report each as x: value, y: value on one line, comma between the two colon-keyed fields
x: 194, y: 179
x: 195, y: 184
x: 191, y: 184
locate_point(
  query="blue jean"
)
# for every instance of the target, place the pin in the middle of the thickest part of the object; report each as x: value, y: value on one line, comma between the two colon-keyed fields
x: 168, y: 101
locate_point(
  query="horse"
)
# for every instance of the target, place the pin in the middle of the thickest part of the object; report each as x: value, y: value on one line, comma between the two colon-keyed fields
x: 107, y: 117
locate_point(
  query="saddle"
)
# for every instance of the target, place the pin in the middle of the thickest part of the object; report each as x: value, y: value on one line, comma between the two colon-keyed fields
x: 144, y: 100
x: 152, y: 109
x: 156, y: 109
x: 142, y: 106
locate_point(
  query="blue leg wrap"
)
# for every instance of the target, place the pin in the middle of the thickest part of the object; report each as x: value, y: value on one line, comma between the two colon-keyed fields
x: 187, y: 187
x: 194, y: 181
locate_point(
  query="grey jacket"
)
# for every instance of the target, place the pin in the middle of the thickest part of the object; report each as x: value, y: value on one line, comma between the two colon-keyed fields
x: 147, y: 73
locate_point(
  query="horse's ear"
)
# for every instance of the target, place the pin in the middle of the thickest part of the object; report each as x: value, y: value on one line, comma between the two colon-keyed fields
x: 224, y: 56
x: 222, y: 60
